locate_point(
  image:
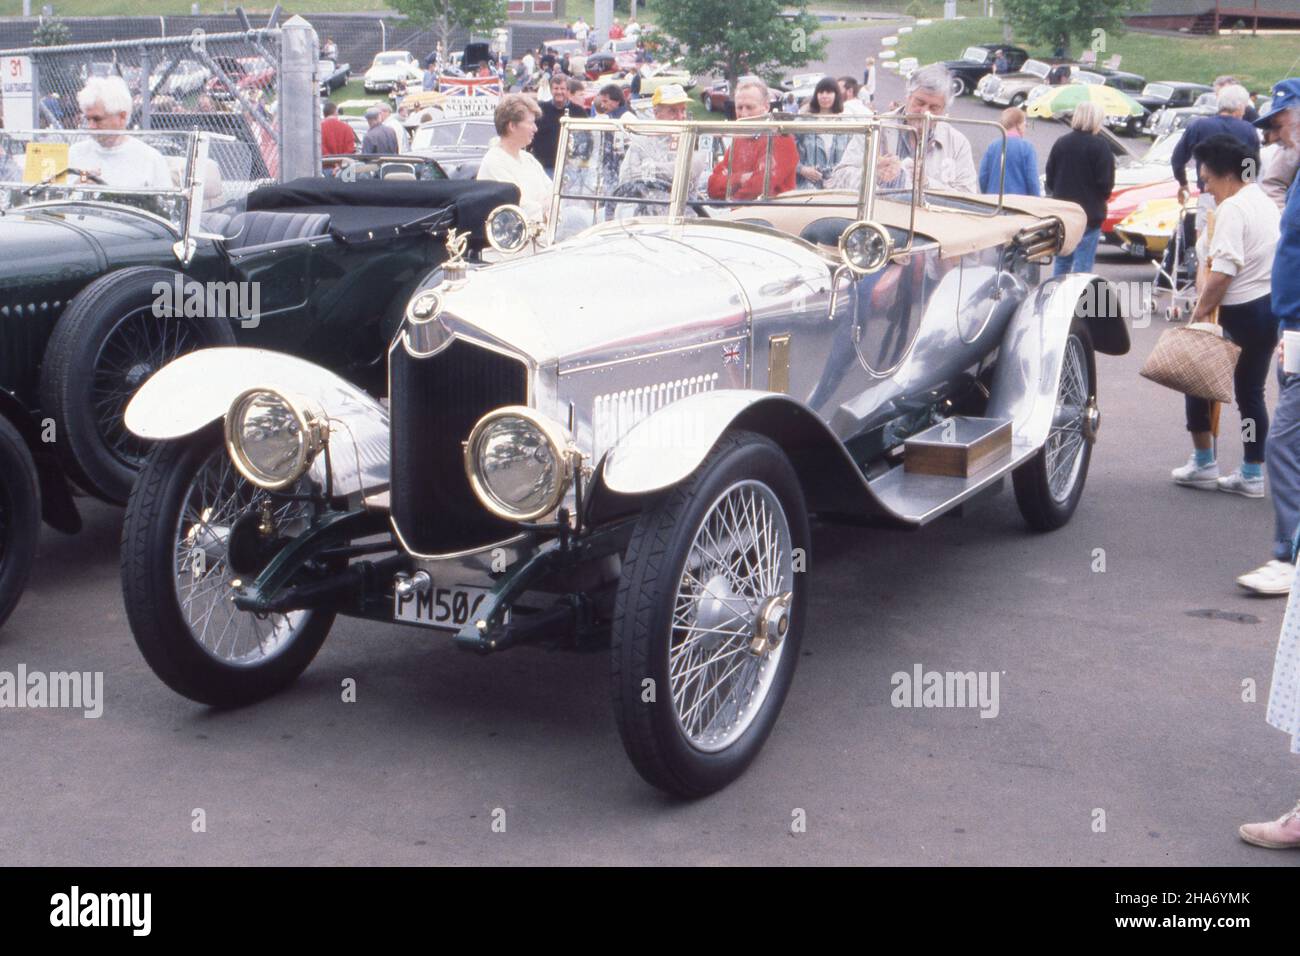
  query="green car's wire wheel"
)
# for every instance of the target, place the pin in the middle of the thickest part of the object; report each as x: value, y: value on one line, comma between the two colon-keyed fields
x: 177, y: 580
x: 105, y: 346
x: 20, y: 516
x: 136, y: 347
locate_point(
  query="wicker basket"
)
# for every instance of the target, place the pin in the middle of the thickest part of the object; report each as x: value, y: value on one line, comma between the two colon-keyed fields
x: 1196, y: 360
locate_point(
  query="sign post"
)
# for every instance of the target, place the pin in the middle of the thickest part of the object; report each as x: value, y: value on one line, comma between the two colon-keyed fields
x: 18, y: 90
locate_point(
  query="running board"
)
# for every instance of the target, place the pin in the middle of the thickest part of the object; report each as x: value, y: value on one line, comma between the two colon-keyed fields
x: 917, y: 498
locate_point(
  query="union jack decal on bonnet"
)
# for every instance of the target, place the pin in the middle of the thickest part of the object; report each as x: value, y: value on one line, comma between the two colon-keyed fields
x: 470, y: 85
x: 731, y: 355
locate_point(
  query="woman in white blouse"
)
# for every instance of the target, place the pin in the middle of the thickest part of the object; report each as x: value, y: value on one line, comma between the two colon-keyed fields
x: 508, y: 159
x: 1237, y: 285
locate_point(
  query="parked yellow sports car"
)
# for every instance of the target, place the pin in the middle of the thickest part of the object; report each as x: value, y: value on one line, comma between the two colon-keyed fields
x: 1146, y: 231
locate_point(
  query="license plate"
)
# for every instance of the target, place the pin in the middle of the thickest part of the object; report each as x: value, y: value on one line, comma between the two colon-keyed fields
x: 449, y: 608
x: 1138, y: 249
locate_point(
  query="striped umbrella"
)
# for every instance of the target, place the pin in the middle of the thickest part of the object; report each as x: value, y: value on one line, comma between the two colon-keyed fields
x: 1064, y: 99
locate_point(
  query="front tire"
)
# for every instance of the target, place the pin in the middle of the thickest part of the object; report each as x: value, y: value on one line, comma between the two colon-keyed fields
x: 1048, y: 486
x: 709, y: 617
x: 958, y: 87
x: 20, y: 516
x: 176, y: 579
x: 104, y: 347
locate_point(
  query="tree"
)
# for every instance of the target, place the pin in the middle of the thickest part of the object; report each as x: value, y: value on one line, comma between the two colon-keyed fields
x: 445, y: 17
x: 1088, y: 21
x: 52, y: 32
x: 737, y: 37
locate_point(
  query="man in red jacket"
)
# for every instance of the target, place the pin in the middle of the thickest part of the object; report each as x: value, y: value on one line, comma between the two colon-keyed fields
x: 336, y: 136
x: 745, y: 163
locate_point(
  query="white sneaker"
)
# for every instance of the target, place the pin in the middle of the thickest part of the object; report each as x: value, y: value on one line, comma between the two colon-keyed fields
x: 1196, y: 476
x: 1273, y: 578
x: 1238, y: 484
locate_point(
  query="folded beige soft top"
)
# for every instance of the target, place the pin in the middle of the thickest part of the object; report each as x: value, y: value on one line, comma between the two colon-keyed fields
x: 956, y: 231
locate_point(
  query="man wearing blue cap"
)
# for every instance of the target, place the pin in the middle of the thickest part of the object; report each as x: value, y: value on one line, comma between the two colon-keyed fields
x: 1283, y: 711
x: 1283, y: 460
x: 1280, y: 171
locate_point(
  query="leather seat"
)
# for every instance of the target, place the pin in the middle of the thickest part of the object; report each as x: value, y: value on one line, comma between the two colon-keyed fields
x: 248, y: 229
x: 826, y: 231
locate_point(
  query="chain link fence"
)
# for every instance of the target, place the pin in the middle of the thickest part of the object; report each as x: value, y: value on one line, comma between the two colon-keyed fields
x: 258, y: 87
x: 219, y: 83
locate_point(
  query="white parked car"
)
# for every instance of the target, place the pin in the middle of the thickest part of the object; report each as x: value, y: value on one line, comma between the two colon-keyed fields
x: 389, y: 67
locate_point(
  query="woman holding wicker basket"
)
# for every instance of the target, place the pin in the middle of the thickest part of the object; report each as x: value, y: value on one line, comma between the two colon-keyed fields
x: 1237, y: 286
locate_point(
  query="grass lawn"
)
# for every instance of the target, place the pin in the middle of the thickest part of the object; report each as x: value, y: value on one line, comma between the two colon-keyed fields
x: 1259, y: 62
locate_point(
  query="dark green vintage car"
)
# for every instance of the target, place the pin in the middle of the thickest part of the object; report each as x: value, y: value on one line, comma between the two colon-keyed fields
x: 100, y: 286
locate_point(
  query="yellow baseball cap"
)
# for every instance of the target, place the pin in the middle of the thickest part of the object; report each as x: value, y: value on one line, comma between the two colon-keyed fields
x: 670, y: 94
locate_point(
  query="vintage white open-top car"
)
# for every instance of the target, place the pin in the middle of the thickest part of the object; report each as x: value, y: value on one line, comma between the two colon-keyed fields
x: 621, y: 436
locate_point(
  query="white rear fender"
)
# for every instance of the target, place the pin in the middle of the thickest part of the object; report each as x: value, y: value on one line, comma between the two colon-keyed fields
x: 199, y: 387
x: 1028, y: 372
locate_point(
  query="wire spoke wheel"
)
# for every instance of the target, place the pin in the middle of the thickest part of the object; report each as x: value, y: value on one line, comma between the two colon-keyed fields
x: 1066, y: 439
x: 1049, y: 485
x: 739, y: 561
x: 709, y: 617
x: 138, y: 345
x: 187, y: 511
x: 217, y: 497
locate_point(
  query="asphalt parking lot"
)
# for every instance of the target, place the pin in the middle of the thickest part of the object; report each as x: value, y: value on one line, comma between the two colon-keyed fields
x: 1122, y: 650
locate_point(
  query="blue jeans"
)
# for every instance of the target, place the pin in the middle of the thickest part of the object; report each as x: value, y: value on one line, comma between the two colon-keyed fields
x: 1283, y: 461
x: 1081, y: 259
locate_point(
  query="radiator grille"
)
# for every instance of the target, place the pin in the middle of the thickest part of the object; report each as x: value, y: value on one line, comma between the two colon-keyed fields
x: 435, y: 402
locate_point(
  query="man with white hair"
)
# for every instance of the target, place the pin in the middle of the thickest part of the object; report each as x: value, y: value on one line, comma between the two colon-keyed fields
x: 122, y: 161
x: 1279, y: 127
x: 1233, y: 100
x: 1283, y: 457
x: 1284, y: 469
x: 949, y: 165
x: 400, y: 134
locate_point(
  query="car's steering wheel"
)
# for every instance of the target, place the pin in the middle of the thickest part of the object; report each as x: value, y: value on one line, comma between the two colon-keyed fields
x: 648, y: 187
x: 63, y: 172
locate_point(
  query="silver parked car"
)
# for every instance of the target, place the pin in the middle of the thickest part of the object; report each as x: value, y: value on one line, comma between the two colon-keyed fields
x: 1013, y: 89
x: 618, y: 434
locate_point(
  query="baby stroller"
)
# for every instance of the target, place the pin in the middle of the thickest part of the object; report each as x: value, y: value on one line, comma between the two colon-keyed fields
x: 1176, y: 270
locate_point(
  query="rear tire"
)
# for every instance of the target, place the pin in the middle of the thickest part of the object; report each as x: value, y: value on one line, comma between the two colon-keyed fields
x: 104, y: 347
x: 706, y: 562
x: 958, y: 87
x: 1048, y: 486
x: 20, y: 516
x: 176, y: 582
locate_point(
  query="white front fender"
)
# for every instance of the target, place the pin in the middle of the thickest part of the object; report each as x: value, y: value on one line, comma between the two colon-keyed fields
x: 196, y: 389
x: 664, y: 448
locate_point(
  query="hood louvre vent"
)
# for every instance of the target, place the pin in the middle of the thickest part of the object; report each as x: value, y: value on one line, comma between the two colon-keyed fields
x: 616, y: 413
